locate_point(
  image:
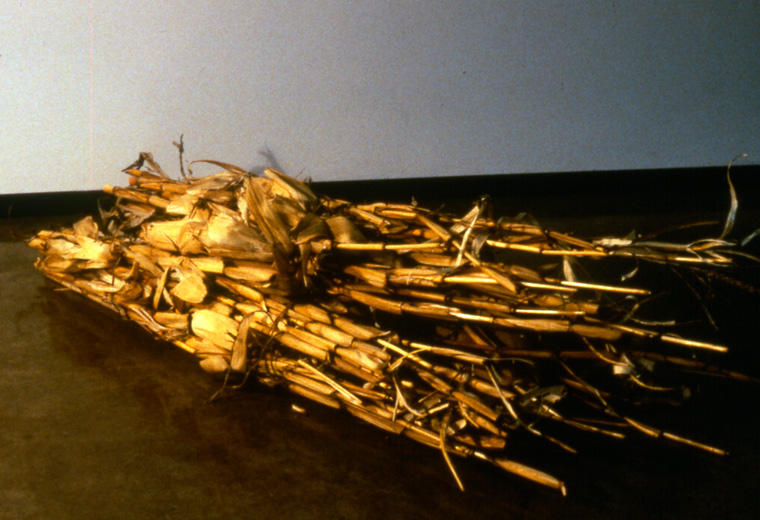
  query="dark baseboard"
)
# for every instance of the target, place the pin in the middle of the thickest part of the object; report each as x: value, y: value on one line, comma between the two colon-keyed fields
x: 570, y: 194
x: 51, y: 204
x: 549, y: 195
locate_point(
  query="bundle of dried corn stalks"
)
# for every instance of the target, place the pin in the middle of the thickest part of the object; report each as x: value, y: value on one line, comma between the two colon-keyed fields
x: 411, y: 320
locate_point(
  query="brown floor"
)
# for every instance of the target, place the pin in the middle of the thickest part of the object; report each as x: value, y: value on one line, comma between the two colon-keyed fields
x: 98, y: 420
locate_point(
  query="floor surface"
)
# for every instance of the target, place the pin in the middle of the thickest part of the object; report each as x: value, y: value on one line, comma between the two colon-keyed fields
x: 99, y: 420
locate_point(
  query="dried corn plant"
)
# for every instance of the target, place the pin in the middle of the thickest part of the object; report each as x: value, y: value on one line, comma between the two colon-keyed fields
x: 452, y: 331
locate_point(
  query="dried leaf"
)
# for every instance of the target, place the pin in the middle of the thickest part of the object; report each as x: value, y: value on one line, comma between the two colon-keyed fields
x: 182, y: 205
x: 135, y: 214
x: 215, y: 364
x: 86, y: 228
x: 191, y: 287
x: 223, y: 232
x: 344, y: 231
x: 251, y: 272
x: 172, y: 319
x: 567, y: 270
x: 266, y: 218
x: 146, y: 157
x: 214, y: 327
x: 175, y: 235
x: 97, y: 252
x: 297, y: 190
x: 239, y: 357
x: 731, y: 218
x: 750, y: 237
x: 229, y: 167
x: 310, y: 228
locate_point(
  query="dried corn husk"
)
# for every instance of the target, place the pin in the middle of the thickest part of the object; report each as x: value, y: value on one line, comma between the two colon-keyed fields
x: 259, y: 275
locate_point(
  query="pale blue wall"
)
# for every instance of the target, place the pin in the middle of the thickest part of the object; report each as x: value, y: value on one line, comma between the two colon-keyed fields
x: 343, y: 90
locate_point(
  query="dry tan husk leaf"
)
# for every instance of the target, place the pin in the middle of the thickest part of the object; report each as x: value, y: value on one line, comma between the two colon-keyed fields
x: 215, y: 328
x: 191, y: 287
x: 172, y: 319
x: 175, y: 235
x: 86, y: 227
x: 215, y: 364
x: 226, y: 233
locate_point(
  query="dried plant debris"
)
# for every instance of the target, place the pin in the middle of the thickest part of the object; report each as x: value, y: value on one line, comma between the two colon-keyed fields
x: 455, y: 332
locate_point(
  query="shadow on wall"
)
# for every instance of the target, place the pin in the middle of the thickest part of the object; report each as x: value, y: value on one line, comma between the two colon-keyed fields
x: 270, y: 161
